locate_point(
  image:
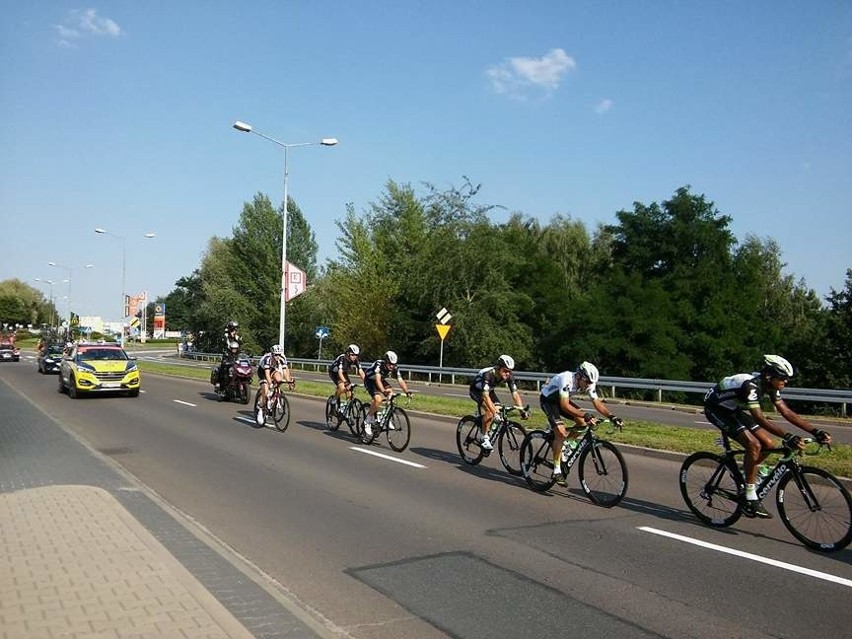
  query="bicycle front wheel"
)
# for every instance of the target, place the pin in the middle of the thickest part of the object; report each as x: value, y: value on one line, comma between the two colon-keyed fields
x: 469, y: 449
x: 604, y: 480
x: 332, y: 419
x: 399, y: 430
x: 509, y: 445
x: 537, y: 460
x: 816, y: 509
x: 281, y: 412
x: 710, y: 487
x: 355, y: 414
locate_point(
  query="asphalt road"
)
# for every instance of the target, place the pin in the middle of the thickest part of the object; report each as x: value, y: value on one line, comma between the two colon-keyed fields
x: 379, y: 545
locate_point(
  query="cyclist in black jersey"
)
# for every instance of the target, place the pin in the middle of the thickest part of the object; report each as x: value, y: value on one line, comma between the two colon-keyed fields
x: 376, y: 378
x: 338, y: 371
x: 487, y: 402
x: 733, y: 406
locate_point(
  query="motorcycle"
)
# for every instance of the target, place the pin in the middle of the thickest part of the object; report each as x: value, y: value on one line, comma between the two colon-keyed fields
x: 238, y: 376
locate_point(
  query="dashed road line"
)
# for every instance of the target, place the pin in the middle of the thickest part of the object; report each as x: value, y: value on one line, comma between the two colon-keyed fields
x: 180, y: 401
x: 388, y: 457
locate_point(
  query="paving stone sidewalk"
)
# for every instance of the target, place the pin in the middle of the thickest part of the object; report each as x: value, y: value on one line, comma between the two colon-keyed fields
x: 86, y: 552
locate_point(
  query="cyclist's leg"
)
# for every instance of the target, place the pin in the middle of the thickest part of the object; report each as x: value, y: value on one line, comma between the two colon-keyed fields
x: 554, y: 419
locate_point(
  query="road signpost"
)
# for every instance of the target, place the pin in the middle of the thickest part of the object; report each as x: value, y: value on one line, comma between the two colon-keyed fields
x: 443, y: 328
x: 322, y: 333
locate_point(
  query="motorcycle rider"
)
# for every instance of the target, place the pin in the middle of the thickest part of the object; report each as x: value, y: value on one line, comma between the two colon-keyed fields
x: 229, y: 355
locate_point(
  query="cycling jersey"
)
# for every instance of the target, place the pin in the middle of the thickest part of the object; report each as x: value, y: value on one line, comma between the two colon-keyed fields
x: 563, y: 384
x: 342, y: 363
x: 379, y: 369
x: 272, y: 363
x: 728, y: 403
x: 487, y: 379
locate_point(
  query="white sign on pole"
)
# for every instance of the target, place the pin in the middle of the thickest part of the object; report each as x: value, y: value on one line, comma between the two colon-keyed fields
x: 296, y: 282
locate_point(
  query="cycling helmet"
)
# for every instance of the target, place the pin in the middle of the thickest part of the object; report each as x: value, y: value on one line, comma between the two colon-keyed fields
x: 507, y: 362
x: 590, y: 372
x: 777, y: 366
x: 353, y: 349
x: 232, y: 325
x: 277, y: 349
x: 391, y: 358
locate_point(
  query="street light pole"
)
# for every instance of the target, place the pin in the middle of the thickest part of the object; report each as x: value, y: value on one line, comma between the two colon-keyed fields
x: 247, y: 128
x: 69, y: 269
x: 123, y: 273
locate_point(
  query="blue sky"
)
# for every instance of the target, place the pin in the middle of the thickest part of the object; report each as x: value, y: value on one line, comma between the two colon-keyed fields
x: 118, y: 115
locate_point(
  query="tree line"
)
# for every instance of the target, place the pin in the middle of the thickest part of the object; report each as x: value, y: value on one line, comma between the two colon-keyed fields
x: 667, y: 291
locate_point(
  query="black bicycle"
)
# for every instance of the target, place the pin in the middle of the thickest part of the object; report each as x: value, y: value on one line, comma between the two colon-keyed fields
x: 600, y: 465
x: 812, y: 503
x: 350, y: 411
x: 505, y: 434
x: 392, y: 420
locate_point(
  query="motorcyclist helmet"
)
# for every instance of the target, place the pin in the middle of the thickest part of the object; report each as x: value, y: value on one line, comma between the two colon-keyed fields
x: 234, y: 345
x: 391, y: 358
x: 590, y: 372
x: 353, y: 349
x: 277, y: 349
x: 507, y: 362
x: 777, y: 366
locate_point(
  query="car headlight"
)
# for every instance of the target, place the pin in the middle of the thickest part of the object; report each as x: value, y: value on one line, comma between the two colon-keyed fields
x: 131, y: 366
x: 88, y: 368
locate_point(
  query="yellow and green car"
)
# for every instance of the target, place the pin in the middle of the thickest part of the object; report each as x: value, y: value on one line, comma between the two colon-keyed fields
x: 98, y: 368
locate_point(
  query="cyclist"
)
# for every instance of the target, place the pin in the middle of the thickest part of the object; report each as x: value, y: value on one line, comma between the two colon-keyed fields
x: 272, y: 368
x: 228, y: 355
x: 556, y: 403
x: 376, y: 379
x: 487, y: 402
x: 733, y: 406
x: 338, y: 371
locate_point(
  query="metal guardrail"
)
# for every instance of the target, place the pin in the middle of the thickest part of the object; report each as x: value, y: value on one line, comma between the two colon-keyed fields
x: 435, y: 374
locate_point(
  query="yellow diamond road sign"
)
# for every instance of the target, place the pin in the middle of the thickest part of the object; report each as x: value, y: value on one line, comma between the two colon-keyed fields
x: 443, y: 329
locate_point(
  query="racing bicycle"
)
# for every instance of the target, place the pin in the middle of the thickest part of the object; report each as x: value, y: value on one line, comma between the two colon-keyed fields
x: 277, y: 405
x: 600, y: 465
x: 506, y: 435
x: 812, y: 503
x: 392, y: 420
x: 350, y: 411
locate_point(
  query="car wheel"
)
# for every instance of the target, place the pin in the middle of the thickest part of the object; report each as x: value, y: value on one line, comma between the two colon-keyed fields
x: 61, y: 385
x: 72, y: 388
x: 133, y: 393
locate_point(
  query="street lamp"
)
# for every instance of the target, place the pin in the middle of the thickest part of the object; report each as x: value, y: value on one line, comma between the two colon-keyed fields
x: 247, y: 128
x: 69, y: 269
x: 52, y: 307
x: 123, y: 271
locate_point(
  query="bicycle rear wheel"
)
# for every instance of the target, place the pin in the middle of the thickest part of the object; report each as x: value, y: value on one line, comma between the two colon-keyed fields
x: 816, y: 509
x: 332, y: 419
x: 509, y: 445
x: 469, y: 449
x: 281, y: 411
x: 604, y: 480
x: 711, y: 489
x: 399, y: 430
x: 537, y: 460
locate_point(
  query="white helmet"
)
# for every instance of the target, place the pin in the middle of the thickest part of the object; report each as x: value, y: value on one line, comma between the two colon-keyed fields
x: 777, y: 366
x: 590, y: 372
x: 353, y: 349
x: 507, y: 362
x: 391, y: 358
x: 277, y: 349
x: 234, y: 345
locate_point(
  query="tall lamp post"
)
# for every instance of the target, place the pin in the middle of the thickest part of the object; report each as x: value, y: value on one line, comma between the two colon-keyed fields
x: 52, y: 307
x: 123, y: 272
x: 247, y: 128
x: 68, y: 269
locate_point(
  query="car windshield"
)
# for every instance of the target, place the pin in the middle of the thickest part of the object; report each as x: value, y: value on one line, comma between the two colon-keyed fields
x: 95, y: 354
x: 8, y: 345
x: 55, y: 350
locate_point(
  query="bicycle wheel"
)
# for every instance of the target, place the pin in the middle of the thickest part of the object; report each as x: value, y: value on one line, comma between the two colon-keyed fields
x: 537, y: 460
x: 281, y: 411
x: 332, y: 419
x: 509, y: 445
x: 604, y: 480
x: 355, y: 416
x: 469, y: 449
x: 816, y: 509
x: 710, y: 486
x: 398, y: 430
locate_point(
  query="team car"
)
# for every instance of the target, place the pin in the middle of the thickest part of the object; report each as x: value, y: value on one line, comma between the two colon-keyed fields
x: 50, y: 358
x: 9, y: 352
x: 99, y: 368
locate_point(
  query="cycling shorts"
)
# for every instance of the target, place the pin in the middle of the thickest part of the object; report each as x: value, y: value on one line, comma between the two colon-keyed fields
x: 730, y: 422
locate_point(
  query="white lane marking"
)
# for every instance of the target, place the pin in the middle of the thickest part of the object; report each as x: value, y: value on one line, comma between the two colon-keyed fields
x: 388, y: 457
x: 254, y: 422
x: 748, y: 555
x: 180, y: 401
x: 698, y: 421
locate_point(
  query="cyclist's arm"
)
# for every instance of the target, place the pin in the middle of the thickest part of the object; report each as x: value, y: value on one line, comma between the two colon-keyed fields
x: 572, y: 409
x: 797, y: 420
x: 601, y: 408
x: 764, y: 421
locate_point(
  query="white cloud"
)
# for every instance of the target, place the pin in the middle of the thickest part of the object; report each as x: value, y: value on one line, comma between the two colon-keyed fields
x: 514, y: 75
x: 82, y: 23
x: 603, y: 106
